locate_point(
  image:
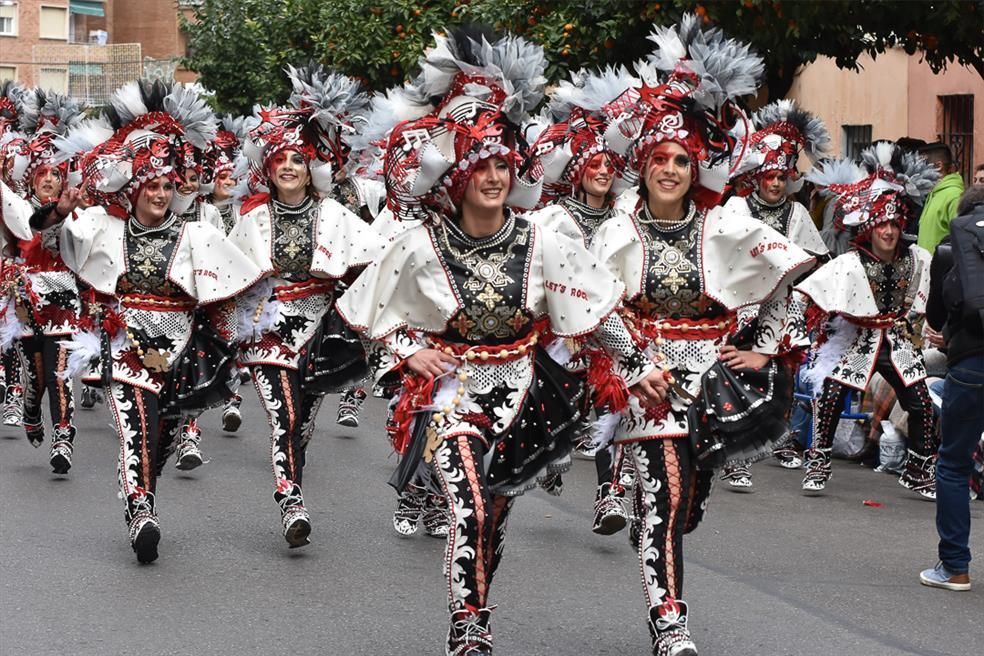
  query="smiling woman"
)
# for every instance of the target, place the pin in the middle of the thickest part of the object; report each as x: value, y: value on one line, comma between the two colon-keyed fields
x: 305, y: 244
x: 463, y: 305
x: 141, y: 338
x: 687, y: 270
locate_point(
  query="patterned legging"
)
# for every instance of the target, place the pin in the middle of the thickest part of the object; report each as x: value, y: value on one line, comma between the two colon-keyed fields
x: 11, y: 367
x: 914, y: 399
x: 477, y: 521
x: 291, y: 413
x: 44, y: 361
x: 663, y: 488
x: 145, y: 437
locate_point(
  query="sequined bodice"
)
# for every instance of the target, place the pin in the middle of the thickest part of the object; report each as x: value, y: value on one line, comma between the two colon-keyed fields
x: 228, y: 217
x: 292, y: 238
x: 889, y: 281
x: 673, y: 285
x: 148, y: 258
x: 489, y: 278
x: 50, y: 238
x: 775, y: 216
x: 588, y: 218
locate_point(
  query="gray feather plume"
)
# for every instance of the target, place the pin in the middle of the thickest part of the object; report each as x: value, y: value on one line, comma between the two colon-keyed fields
x: 590, y: 90
x: 918, y: 175
x: 188, y: 106
x: 339, y: 103
x: 726, y: 68
x: 834, y: 172
x: 49, y: 111
x: 82, y: 138
x: 514, y: 64
x: 387, y: 110
x: 128, y: 102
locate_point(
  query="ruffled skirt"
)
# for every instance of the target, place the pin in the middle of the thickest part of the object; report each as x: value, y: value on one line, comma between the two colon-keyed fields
x: 536, y: 443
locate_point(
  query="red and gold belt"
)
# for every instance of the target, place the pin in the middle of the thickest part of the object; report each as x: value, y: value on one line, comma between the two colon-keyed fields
x: 158, y: 303
x: 488, y: 353
x: 304, y: 289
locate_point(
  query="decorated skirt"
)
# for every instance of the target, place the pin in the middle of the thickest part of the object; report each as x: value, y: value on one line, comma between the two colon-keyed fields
x: 294, y: 325
x: 525, y: 407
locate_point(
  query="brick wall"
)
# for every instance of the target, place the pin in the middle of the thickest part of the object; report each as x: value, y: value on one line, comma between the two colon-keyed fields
x: 17, y: 50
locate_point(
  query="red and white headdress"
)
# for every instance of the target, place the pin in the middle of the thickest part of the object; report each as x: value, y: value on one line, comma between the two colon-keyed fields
x: 478, y: 90
x: 324, y: 112
x: 781, y: 131
x: 11, y: 97
x: 689, y: 85
x: 150, y: 130
x: 45, y: 116
x: 562, y: 150
x: 885, y: 188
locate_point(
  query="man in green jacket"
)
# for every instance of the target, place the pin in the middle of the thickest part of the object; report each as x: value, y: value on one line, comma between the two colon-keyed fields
x: 941, y: 204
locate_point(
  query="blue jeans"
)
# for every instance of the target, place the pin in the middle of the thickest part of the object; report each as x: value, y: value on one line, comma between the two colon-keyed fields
x: 962, y: 424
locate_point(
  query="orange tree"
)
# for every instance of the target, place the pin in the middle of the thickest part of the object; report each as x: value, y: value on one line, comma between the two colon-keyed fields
x: 239, y: 47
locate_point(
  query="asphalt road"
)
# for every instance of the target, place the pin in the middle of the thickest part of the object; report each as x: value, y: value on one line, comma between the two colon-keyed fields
x: 770, y: 573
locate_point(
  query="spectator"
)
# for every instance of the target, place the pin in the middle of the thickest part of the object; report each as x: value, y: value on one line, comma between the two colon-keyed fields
x: 941, y: 204
x: 956, y: 307
x: 979, y: 175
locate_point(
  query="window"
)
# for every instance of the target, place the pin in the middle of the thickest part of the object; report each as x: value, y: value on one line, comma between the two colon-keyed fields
x: 7, y: 73
x: 53, y: 79
x: 8, y: 18
x: 856, y: 139
x: 54, y: 23
x: 957, y: 130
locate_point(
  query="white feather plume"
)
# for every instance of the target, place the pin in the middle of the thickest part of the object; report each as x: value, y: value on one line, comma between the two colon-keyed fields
x: 251, y: 326
x: 82, y: 138
x: 84, y: 350
x: 841, y: 335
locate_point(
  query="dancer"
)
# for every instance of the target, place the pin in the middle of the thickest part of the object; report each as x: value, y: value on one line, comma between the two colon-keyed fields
x: 688, y: 268
x: 579, y: 172
x: 159, y: 360
x: 872, y: 294
x: 462, y: 304
x: 48, y: 296
x: 363, y: 197
x: 224, y: 159
x: 766, y: 176
x: 304, y: 242
x: 15, y: 213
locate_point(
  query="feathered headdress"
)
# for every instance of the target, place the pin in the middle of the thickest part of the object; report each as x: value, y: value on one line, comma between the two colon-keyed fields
x: 562, y: 150
x: 222, y: 154
x: 781, y: 131
x: 885, y: 188
x: 478, y: 90
x: 690, y: 83
x: 44, y: 117
x: 325, y: 111
x: 11, y: 97
x: 154, y: 130
x: 14, y: 158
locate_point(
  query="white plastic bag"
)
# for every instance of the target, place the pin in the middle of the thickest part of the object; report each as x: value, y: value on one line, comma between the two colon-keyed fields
x: 891, y: 449
x: 848, y: 438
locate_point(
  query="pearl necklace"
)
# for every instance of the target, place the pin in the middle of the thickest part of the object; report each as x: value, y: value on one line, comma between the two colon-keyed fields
x: 282, y: 210
x: 665, y: 226
x: 137, y: 229
x: 474, y: 244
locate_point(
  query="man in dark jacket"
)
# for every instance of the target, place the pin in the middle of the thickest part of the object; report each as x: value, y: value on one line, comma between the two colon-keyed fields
x: 955, y: 308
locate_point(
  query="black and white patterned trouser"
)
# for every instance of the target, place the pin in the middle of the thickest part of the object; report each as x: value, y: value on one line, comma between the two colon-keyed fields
x: 11, y: 367
x: 44, y: 361
x: 476, y: 521
x: 291, y: 413
x: 664, y: 477
x: 146, y: 439
x: 914, y: 399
